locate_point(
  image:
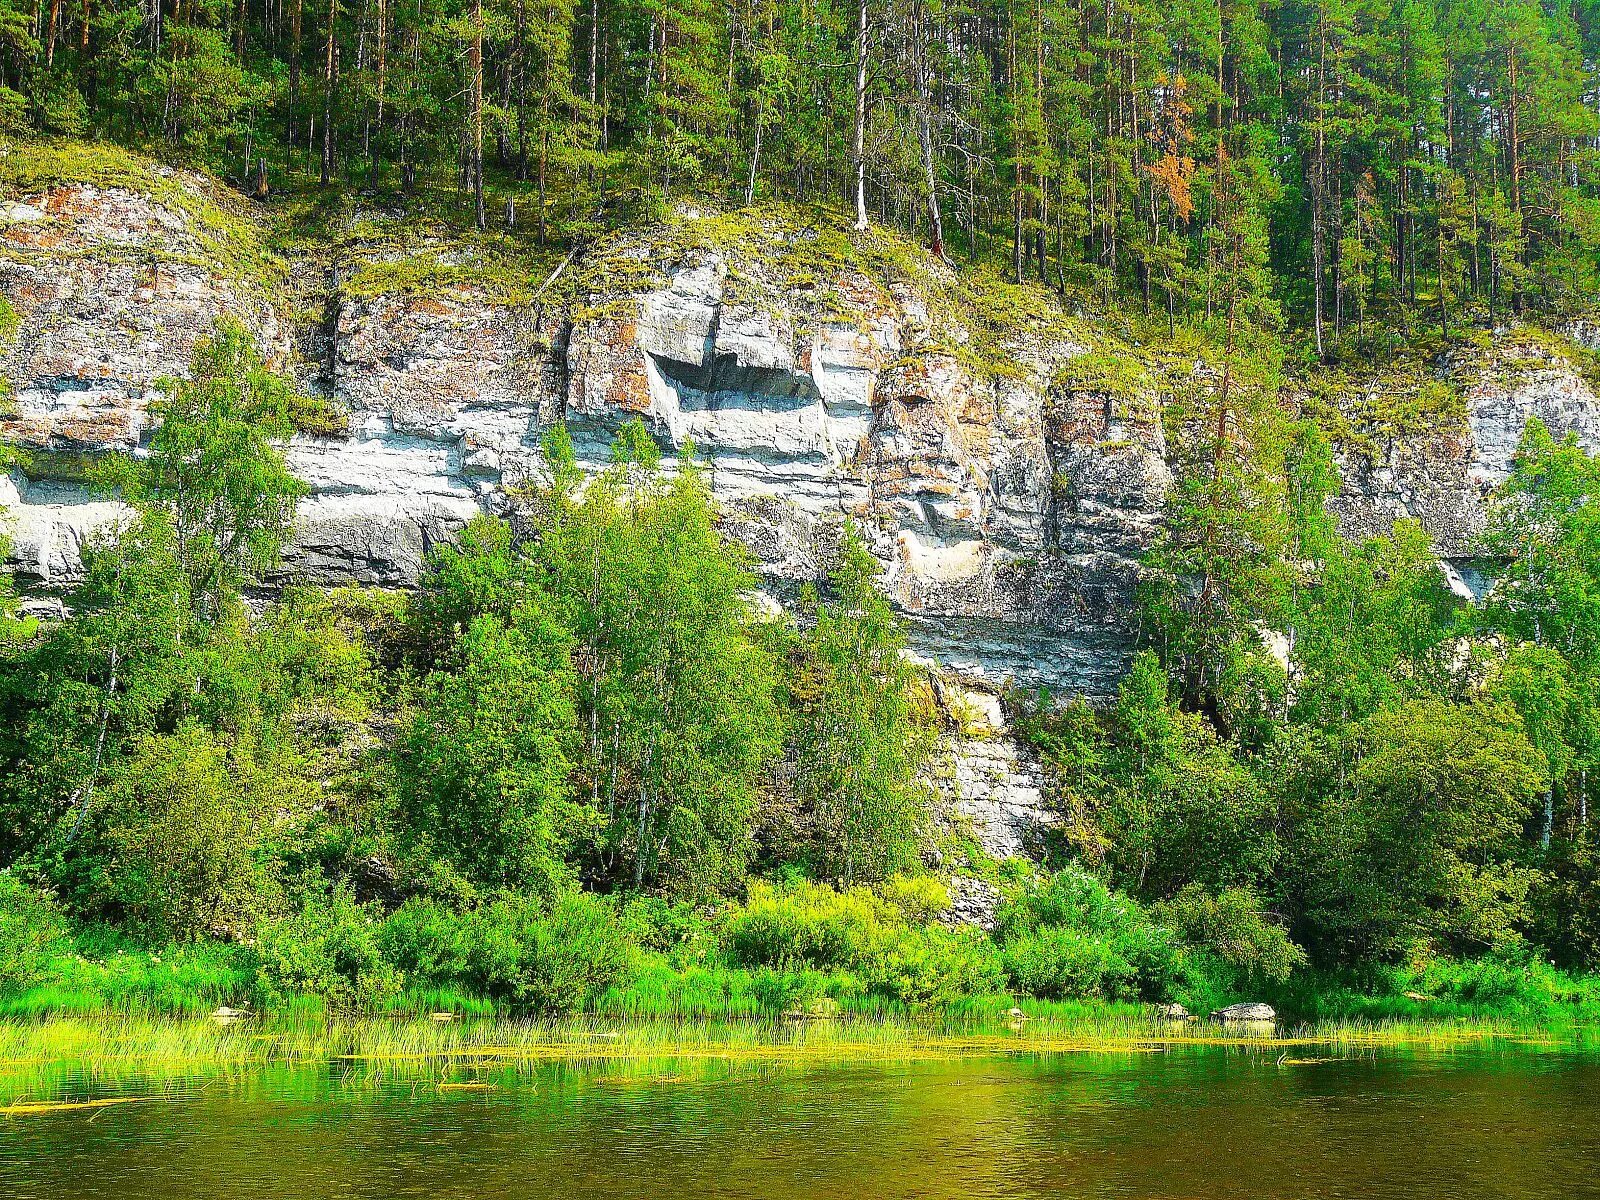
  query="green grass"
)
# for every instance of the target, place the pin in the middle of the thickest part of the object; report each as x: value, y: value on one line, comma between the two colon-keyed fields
x: 177, y: 982
x: 1529, y: 993
x: 36, y: 1056
x: 228, y: 232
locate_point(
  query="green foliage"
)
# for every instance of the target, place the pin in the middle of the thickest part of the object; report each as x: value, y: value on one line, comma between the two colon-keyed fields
x: 1068, y: 936
x: 186, y: 818
x: 1545, y: 526
x: 676, y: 692
x: 818, y: 940
x: 556, y: 960
x: 1413, y: 837
x: 1154, y: 797
x: 32, y: 932
x: 479, y: 575
x: 483, y: 770
x: 856, y: 735
x: 214, y: 471
x: 99, y: 973
x: 1231, y: 927
x: 1565, y: 904
x: 810, y: 924
x: 1376, y: 626
x: 328, y: 949
x: 88, y: 686
x: 559, y: 957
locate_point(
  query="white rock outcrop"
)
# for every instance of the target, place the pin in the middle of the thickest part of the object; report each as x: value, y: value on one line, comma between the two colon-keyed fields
x: 1009, y: 510
x: 1008, y: 503
x: 1444, y: 469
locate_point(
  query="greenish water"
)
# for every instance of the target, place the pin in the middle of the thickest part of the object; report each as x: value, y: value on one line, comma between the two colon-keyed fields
x: 1195, y: 1123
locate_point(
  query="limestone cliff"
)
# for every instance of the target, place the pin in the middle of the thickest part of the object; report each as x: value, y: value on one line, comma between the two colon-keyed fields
x: 1434, y: 440
x: 819, y: 379
x: 823, y: 375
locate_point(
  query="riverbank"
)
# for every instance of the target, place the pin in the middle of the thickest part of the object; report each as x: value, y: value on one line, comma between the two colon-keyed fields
x: 118, y: 983
x: 113, y: 1047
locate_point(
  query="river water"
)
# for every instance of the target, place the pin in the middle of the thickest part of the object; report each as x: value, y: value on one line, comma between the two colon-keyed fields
x: 1196, y: 1123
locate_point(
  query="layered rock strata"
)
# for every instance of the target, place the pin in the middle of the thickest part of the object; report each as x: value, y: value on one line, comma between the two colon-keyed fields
x: 1008, y: 500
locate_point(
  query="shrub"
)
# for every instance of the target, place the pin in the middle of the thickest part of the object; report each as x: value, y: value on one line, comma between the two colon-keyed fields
x: 31, y: 933
x: 878, y: 937
x: 1071, y: 896
x: 1069, y: 936
x: 429, y: 941
x: 676, y: 928
x: 1231, y: 927
x: 514, y: 949
x: 560, y: 959
x: 937, y: 967
x: 328, y: 949
x: 1062, y: 963
x: 780, y: 991
x: 811, y: 925
x: 918, y: 899
x: 186, y: 823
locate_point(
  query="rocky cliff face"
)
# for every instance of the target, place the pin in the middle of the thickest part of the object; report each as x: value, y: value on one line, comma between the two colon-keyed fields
x: 1008, y: 508
x: 1434, y: 444
x: 1008, y: 500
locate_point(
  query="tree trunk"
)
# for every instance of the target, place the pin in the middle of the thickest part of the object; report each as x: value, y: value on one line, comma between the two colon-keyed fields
x: 294, y: 71
x: 50, y: 33
x: 1319, y: 184
x: 327, y: 94
x: 475, y: 147
x: 859, y: 157
x: 930, y: 180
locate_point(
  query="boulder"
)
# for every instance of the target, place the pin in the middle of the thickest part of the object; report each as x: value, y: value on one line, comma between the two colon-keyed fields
x: 1250, y: 1013
x: 1173, y: 1012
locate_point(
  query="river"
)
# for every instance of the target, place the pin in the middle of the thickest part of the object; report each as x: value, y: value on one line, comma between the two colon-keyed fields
x: 1196, y: 1123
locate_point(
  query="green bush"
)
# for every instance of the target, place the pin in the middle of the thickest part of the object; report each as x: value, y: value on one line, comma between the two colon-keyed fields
x: 878, y: 937
x: 676, y: 928
x: 810, y: 925
x: 31, y: 933
x: 329, y: 949
x: 186, y: 822
x: 514, y: 949
x: 780, y: 991
x: 1232, y: 928
x: 1068, y: 936
x: 937, y: 967
x: 1059, y: 962
x: 428, y: 941
x: 557, y: 960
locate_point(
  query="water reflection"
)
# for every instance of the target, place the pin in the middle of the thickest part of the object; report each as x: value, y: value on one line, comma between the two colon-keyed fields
x: 1200, y: 1124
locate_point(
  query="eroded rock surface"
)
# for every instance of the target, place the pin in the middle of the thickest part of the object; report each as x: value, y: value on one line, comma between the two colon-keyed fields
x: 1008, y: 500
x: 1444, y: 467
x: 111, y: 289
x: 990, y: 785
x: 1008, y: 509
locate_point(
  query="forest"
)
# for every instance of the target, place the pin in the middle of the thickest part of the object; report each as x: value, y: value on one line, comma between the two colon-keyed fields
x: 579, y: 769
x: 1362, y: 166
